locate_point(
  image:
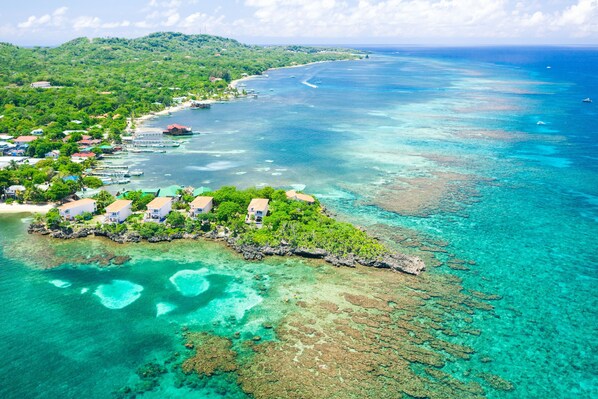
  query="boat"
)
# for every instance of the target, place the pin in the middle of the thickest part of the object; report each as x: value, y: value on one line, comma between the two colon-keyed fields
x: 136, y: 172
x: 540, y: 123
x: 123, y: 181
x: 586, y: 100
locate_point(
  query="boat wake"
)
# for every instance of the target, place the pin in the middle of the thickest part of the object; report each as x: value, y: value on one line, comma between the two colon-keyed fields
x: 313, y: 86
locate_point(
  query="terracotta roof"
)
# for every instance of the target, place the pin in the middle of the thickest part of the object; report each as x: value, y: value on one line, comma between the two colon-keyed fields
x: 83, y: 154
x: 292, y: 194
x: 177, y: 126
x: 159, y: 202
x: 258, y: 204
x: 75, y: 204
x: 25, y: 139
x: 201, y: 202
x: 118, y: 205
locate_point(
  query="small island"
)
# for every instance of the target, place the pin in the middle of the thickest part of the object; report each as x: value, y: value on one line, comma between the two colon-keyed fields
x: 254, y: 222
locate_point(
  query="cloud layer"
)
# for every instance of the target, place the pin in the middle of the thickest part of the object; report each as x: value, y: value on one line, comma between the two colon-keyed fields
x: 398, y: 21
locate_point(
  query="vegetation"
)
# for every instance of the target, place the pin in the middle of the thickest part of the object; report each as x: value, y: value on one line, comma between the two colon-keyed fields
x: 293, y: 223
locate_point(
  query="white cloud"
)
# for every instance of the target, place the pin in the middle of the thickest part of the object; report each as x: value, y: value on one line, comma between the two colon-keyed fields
x: 86, y: 22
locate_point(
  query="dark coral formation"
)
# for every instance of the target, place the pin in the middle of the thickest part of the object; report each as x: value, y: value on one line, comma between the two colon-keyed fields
x: 213, y: 354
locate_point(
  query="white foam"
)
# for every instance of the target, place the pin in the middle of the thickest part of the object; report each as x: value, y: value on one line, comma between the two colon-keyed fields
x: 163, y: 308
x: 84, y: 290
x: 214, y: 166
x: 190, y: 282
x: 269, y: 160
x: 118, y: 294
x: 276, y: 174
x: 298, y: 187
x: 240, y: 173
x: 61, y: 283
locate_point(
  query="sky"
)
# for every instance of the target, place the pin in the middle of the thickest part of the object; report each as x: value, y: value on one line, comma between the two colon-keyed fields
x: 418, y: 22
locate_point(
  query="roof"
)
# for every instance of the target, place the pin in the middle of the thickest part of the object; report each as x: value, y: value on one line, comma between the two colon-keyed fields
x: 201, y: 190
x: 159, y: 202
x: 170, y: 191
x: 292, y: 194
x: 83, y: 154
x: 17, y: 187
x: 25, y: 139
x: 201, y: 202
x: 258, y: 204
x: 177, y: 126
x: 75, y: 204
x: 118, y: 205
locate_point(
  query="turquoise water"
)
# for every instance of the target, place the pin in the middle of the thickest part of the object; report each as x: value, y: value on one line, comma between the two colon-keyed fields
x: 445, y: 142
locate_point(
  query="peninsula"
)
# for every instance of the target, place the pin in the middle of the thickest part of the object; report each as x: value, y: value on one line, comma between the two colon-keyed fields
x: 254, y: 222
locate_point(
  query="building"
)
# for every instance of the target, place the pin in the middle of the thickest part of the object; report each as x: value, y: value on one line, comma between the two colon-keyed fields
x: 52, y: 154
x: 178, y: 130
x: 201, y: 205
x: 15, y: 191
x: 76, y: 208
x: 158, y: 209
x: 294, y: 195
x: 24, y: 140
x: 37, y: 132
x: 41, y: 85
x: 82, y: 156
x: 257, y: 209
x: 118, y: 211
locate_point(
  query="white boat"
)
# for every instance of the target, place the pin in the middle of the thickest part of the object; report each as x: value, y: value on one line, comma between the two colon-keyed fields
x: 540, y: 123
x: 136, y: 172
x: 587, y: 100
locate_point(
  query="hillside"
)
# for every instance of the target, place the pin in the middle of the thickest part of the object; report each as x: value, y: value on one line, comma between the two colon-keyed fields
x: 104, y: 80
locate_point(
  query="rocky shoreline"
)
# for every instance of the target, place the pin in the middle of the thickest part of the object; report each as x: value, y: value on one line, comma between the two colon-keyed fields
x: 393, y: 260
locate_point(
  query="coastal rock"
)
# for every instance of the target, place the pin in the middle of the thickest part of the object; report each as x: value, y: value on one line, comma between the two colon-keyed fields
x: 397, y: 262
x: 310, y: 252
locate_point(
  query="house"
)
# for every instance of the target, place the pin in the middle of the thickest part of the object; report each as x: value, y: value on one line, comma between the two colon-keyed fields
x: 82, y: 156
x: 41, y: 85
x: 170, y: 191
x: 201, y: 205
x: 294, y: 195
x: 15, y: 191
x: 76, y: 208
x: 257, y: 209
x: 52, y: 154
x: 118, y: 211
x: 5, y: 136
x: 158, y: 209
x: 37, y: 132
x: 178, y: 130
x: 24, y: 140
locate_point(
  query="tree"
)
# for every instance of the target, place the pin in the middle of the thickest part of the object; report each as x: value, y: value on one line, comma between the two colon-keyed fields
x: 227, y: 210
x: 92, y: 182
x: 58, y: 191
x: 103, y: 199
x: 53, y: 218
x: 175, y: 220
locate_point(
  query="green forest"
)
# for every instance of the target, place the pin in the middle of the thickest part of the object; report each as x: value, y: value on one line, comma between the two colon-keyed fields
x: 103, y: 81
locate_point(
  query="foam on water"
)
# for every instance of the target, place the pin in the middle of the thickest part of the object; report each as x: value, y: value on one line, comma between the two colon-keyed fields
x: 60, y: 283
x: 191, y: 282
x: 163, y: 308
x: 118, y: 294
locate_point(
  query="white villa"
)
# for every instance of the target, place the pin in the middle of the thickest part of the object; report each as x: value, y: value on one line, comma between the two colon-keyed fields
x: 118, y: 211
x: 15, y: 190
x: 75, y: 208
x: 158, y: 209
x: 257, y: 209
x: 201, y: 205
x: 294, y: 195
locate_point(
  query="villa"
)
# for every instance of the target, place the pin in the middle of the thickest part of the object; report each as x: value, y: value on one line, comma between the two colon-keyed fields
x: 82, y: 156
x: 118, y: 211
x: 158, y: 209
x: 24, y: 139
x: 14, y: 191
x: 257, y: 209
x: 201, y: 205
x: 294, y: 195
x: 76, y: 208
x: 41, y: 85
x: 178, y: 130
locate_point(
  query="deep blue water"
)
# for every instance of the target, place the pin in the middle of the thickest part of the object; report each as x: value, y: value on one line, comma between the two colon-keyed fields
x: 518, y: 197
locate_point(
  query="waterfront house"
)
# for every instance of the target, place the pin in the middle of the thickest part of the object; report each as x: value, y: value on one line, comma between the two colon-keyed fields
x: 76, y: 208
x: 158, y: 209
x: 82, y: 156
x: 257, y: 209
x: 14, y: 191
x: 201, y: 205
x: 178, y: 130
x: 294, y: 195
x: 118, y: 211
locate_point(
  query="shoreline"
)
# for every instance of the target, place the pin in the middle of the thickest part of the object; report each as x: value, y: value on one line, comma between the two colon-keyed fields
x: 9, y: 209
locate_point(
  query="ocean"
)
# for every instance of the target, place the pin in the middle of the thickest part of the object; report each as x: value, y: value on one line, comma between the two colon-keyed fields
x: 481, y: 160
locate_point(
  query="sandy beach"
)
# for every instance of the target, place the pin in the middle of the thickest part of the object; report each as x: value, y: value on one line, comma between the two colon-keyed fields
x: 24, y: 208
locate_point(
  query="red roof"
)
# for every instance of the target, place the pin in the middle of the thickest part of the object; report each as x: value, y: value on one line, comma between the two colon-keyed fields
x: 177, y: 126
x: 25, y: 139
x: 83, y: 154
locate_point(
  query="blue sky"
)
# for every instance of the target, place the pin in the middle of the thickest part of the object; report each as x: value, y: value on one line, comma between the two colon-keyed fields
x: 443, y: 22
